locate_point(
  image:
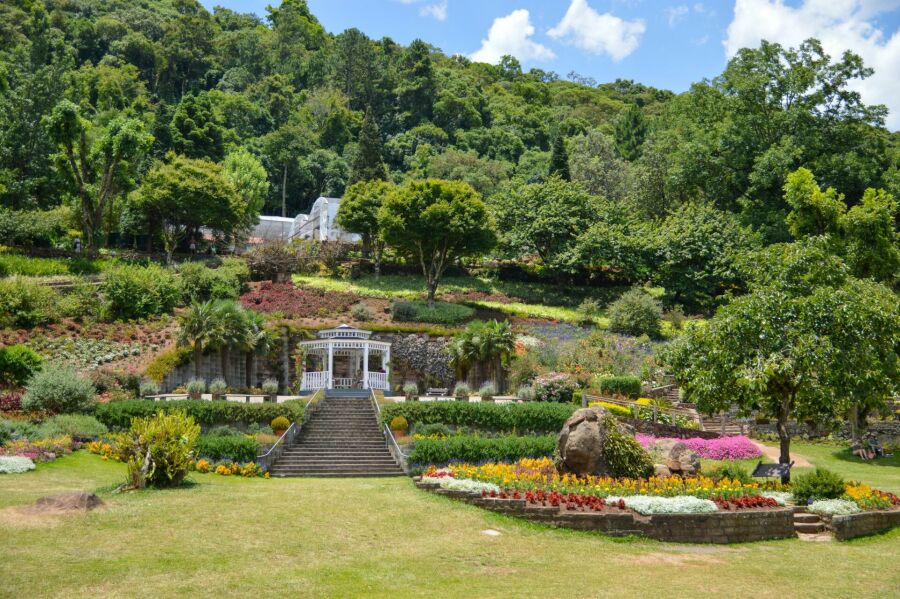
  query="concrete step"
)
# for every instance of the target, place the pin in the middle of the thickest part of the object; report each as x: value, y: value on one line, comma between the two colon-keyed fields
x: 329, y: 474
x: 809, y: 528
x: 806, y: 518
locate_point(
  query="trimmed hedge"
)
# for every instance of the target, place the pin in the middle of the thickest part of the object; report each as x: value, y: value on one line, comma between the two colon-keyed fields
x: 118, y: 414
x: 441, y: 313
x: 629, y: 386
x: 532, y: 417
x: 473, y: 449
x: 237, y: 448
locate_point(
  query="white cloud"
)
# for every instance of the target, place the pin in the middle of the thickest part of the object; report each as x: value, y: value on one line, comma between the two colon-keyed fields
x: 840, y: 25
x: 438, y: 11
x: 676, y: 14
x: 598, y: 33
x: 511, y: 35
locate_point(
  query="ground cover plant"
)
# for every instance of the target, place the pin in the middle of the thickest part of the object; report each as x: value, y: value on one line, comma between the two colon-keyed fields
x: 475, y: 448
x: 87, y: 353
x: 724, y: 448
x: 287, y: 300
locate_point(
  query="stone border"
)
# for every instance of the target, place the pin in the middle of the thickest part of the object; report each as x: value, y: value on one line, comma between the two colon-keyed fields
x: 718, y: 527
x: 863, y: 524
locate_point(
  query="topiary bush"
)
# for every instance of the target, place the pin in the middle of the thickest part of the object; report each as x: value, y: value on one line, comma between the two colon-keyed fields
x: 26, y: 304
x: 78, y: 426
x: 58, y: 390
x: 158, y: 450
x: 118, y: 415
x: 819, y: 484
x: 625, y: 456
x: 474, y: 449
x: 17, y: 364
x: 608, y: 384
x: 636, y: 313
x: 280, y: 423
x: 399, y: 423
x: 134, y: 292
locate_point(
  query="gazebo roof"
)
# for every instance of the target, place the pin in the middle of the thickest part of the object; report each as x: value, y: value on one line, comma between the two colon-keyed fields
x: 344, y: 331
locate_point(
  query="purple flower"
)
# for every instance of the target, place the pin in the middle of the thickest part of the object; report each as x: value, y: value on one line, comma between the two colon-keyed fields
x: 723, y: 448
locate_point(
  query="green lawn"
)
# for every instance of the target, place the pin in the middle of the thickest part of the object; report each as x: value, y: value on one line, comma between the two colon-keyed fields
x: 883, y: 473
x: 377, y: 537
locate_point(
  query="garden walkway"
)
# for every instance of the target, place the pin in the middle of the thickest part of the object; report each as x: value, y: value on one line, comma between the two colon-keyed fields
x: 773, y: 453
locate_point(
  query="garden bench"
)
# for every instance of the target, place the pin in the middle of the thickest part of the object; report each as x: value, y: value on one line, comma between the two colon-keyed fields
x: 782, y: 471
x: 437, y: 392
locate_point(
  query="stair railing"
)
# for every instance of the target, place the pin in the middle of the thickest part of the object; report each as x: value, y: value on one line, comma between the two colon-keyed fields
x: 399, y: 456
x: 268, y: 459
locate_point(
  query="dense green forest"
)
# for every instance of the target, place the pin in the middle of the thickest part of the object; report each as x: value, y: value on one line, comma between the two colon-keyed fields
x: 158, y: 116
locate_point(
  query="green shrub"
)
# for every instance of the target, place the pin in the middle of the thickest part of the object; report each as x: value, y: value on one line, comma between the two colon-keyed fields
x: 361, y: 312
x: 200, y: 283
x: 237, y: 448
x: 77, y: 426
x: 608, y: 384
x: 166, y: 361
x: 58, y: 390
x: 218, y: 387
x: 26, y: 304
x: 399, y: 423
x: 167, y: 439
x: 441, y: 313
x: 819, y: 484
x: 474, y: 449
x: 636, y: 313
x: 588, y: 310
x: 13, y: 430
x: 437, y: 430
x: 34, y: 228
x: 556, y: 387
x: 270, y: 386
x: 195, y: 386
x: 461, y: 390
x: 118, y: 415
x: 538, y: 418
x: 733, y: 471
x: 147, y: 388
x: 280, y: 423
x: 487, y: 391
x: 625, y: 456
x: 17, y: 364
x: 135, y: 292
x: 83, y: 301
x: 614, y: 409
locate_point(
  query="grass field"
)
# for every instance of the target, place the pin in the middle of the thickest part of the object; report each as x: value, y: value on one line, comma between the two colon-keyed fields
x: 376, y: 537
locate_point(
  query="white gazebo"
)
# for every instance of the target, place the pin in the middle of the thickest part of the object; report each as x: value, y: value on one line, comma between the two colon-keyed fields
x: 345, y: 358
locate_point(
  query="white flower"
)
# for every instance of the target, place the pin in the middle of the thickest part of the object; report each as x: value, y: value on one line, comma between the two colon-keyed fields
x: 13, y: 464
x: 780, y: 497
x: 834, y: 507
x: 461, y: 484
x: 681, y: 504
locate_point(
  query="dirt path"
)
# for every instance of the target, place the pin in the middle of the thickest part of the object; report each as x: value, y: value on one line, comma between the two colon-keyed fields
x: 773, y: 453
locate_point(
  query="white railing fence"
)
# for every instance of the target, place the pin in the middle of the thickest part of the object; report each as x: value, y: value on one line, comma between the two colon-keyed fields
x: 315, y: 380
x: 378, y: 380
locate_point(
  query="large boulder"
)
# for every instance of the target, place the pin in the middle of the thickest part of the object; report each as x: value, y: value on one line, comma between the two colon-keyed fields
x: 677, y: 457
x: 580, y: 442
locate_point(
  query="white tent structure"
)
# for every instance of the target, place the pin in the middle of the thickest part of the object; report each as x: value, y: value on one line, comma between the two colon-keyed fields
x: 271, y: 228
x: 319, y: 224
x: 345, y: 358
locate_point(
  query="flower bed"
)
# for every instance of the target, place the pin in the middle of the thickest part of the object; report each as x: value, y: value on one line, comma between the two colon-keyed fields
x: 42, y: 450
x: 87, y: 353
x: 15, y: 464
x: 286, y: 300
x: 724, y: 448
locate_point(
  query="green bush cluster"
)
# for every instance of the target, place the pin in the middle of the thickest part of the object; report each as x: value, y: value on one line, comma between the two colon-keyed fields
x: 818, y: 484
x: 608, y: 384
x: 118, y: 415
x: 26, y: 304
x: 31, y: 266
x: 732, y: 471
x: 200, y: 283
x: 158, y: 449
x: 12, y: 430
x: 625, y: 456
x: 166, y: 361
x: 58, y: 390
x: 441, y: 313
x: 636, y: 313
x: 474, y: 449
x: 77, y: 426
x: 522, y: 418
x: 34, y: 228
x: 135, y: 292
x: 235, y: 447
x: 17, y: 364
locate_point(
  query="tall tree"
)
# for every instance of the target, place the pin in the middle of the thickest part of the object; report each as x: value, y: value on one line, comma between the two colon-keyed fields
x: 559, y: 159
x: 358, y: 213
x: 630, y: 133
x: 98, y: 160
x: 436, y: 222
x: 248, y: 176
x: 417, y: 88
x: 368, y: 164
x: 196, y: 129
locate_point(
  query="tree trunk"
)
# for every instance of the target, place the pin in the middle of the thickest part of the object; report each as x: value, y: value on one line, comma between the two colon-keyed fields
x: 284, y: 190
x: 432, y: 289
x: 784, y: 439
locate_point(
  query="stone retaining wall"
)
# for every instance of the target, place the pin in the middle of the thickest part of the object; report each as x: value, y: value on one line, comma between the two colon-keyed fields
x: 718, y: 527
x: 866, y: 523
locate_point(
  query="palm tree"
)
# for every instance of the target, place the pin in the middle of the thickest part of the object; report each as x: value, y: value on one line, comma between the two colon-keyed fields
x: 495, y: 342
x: 231, y: 331
x: 199, y: 329
x: 257, y: 341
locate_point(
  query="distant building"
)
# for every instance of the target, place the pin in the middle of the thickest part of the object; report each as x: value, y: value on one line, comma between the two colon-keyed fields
x: 271, y: 228
x: 319, y: 224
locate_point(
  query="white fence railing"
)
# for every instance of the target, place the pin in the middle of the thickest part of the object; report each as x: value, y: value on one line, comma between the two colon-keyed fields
x: 315, y: 380
x: 378, y: 380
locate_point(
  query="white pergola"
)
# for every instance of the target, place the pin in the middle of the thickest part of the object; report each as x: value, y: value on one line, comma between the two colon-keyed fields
x: 341, y: 359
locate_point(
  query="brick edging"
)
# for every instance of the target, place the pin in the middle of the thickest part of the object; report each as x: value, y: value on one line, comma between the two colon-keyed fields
x: 864, y: 523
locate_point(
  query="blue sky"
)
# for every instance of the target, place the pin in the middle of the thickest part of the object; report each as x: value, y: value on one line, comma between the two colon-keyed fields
x: 664, y: 43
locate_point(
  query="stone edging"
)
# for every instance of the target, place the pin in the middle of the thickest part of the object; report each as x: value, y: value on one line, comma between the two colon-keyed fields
x: 718, y: 527
x: 865, y: 523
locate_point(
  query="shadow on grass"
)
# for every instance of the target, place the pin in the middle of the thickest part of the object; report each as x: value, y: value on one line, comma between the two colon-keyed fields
x: 845, y: 455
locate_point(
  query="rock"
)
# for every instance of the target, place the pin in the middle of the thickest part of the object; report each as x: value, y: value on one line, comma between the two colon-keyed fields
x: 661, y: 470
x: 678, y: 457
x: 580, y: 442
x: 68, y: 502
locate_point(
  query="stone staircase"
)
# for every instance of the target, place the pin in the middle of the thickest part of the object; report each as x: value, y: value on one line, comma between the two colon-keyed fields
x: 341, y: 438
x: 808, y: 524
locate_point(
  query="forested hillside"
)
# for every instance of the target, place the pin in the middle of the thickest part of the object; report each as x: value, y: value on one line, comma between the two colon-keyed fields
x: 115, y: 107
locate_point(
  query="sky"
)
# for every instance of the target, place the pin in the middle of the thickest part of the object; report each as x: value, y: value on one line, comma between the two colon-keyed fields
x: 664, y: 43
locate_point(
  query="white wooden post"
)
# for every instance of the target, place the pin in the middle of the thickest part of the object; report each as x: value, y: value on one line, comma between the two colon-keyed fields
x: 386, y: 357
x: 330, y: 365
x: 366, y: 365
